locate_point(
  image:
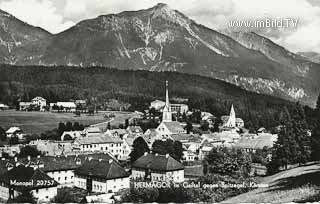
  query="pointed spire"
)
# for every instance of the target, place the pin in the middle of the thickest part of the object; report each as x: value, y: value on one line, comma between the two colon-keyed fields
x: 232, y: 118
x: 167, y: 95
x: 166, y: 114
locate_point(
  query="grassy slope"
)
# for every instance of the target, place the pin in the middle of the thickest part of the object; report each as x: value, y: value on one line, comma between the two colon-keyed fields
x: 39, y: 122
x: 301, y: 184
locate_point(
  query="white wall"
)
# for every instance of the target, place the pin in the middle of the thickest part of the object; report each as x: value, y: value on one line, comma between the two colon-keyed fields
x: 45, y: 194
x: 62, y: 177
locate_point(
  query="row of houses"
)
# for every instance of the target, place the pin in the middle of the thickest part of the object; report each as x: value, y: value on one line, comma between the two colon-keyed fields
x: 95, y: 173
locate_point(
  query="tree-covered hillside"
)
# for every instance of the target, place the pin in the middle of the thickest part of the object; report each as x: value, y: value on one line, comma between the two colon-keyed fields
x: 137, y: 88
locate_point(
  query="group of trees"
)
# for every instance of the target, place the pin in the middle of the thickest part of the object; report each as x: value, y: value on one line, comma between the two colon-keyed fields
x: 227, y: 161
x: 315, y: 136
x: 293, y: 145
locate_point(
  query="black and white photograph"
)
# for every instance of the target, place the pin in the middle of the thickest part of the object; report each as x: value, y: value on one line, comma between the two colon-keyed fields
x: 160, y: 101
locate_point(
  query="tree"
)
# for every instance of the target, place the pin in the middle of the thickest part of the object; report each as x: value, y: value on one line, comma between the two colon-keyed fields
x: 3, y: 136
x: 126, y: 123
x: 226, y: 161
x: 204, y: 126
x: 189, y: 127
x: 315, y: 137
x: 61, y: 128
x: 14, y: 140
x: 76, y: 126
x: 109, y: 126
x: 25, y: 197
x: 29, y: 151
x: 139, y: 148
x: 173, y: 148
x: 69, y: 126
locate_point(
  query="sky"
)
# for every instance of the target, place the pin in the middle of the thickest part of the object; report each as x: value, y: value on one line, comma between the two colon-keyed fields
x: 58, y: 15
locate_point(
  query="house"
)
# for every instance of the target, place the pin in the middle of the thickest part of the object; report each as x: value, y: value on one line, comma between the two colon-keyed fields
x: 11, y: 150
x: 63, y: 106
x: 119, y: 133
x: 60, y: 168
x: 3, y: 107
x: 134, y: 130
x: 188, y: 155
x: 101, y: 176
x: 179, y: 108
x: 21, y: 178
x: 15, y: 132
x: 251, y: 143
x: 39, y: 102
x: 52, y: 148
x: 157, y: 105
x: 71, y: 134
x: 155, y: 167
x: 100, y: 143
x: 24, y: 106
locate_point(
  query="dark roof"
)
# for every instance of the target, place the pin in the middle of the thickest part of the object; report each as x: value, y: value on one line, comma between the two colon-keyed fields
x: 56, y: 163
x: 102, y: 169
x: 27, y: 174
x: 157, y: 162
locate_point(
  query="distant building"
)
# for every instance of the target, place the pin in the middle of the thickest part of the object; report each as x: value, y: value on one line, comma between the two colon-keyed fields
x: 179, y: 108
x: 40, y: 102
x: 119, y: 133
x: 72, y: 134
x: 53, y: 147
x: 134, y: 130
x: 43, y: 191
x: 252, y: 142
x: 15, y: 132
x: 3, y: 107
x: 101, y: 176
x: 63, y: 106
x: 154, y: 167
x: 24, y: 106
x: 157, y: 105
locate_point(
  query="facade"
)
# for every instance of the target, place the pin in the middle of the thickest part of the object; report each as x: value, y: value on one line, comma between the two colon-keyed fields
x: 154, y: 167
x: 179, y: 108
x: 63, y: 106
x: 3, y: 107
x: 52, y: 148
x: 40, y: 102
x: 101, y: 143
x: 101, y: 176
x: 24, y: 106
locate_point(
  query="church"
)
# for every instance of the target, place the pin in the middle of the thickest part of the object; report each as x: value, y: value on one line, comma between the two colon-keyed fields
x: 168, y: 127
x: 231, y: 122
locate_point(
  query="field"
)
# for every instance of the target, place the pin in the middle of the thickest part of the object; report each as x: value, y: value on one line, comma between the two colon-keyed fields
x: 39, y: 122
x: 301, y: 184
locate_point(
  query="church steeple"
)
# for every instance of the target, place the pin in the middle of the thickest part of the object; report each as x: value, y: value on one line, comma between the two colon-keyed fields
x: 232, y: 118
x: 166, y: 114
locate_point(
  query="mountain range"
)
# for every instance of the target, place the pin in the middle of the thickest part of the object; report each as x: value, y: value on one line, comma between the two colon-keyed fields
x: 163, y: 39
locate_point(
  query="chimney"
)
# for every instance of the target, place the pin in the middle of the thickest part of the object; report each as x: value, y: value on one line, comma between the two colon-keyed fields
x: 167, y: 155
x: 29, y: 158
x: 146, y: 153
x: 110, y: 161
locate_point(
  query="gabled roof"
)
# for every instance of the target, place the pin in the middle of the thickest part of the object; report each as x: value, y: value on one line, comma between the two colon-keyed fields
x: 134, y: 129
x: 258, y: 142
x: 98, y: 139
x: 13, y: 130
x: 38, y: 98
x: 174, y: 126
x: 104, y: 169
x: 27, y: 174
x: 157, y: 162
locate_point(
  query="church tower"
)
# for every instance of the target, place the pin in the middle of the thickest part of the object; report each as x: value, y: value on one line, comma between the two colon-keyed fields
x: 166, y: 114
x: 232, y: 118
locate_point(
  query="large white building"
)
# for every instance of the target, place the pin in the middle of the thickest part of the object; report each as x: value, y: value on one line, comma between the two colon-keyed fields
x: 155, y: 167
x: 39, y: 101
x: 101, y: 176
x: 101, y: 143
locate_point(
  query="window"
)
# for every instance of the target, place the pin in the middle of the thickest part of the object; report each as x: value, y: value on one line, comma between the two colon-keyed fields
x: 106, y: 148
x: 37, y: 191
x: 58, y: 178
x: 65, y: 178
